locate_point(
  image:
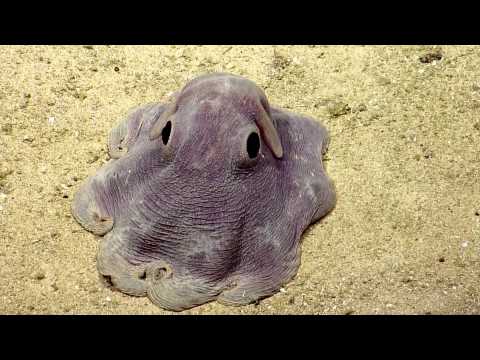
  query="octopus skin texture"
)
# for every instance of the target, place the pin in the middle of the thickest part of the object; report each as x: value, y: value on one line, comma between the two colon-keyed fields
x: 206, y: 196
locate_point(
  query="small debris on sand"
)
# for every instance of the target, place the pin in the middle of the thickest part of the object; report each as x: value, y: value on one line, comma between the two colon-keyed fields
x: 338, y: 108
x: 431, y: 56
x: 38, y: 275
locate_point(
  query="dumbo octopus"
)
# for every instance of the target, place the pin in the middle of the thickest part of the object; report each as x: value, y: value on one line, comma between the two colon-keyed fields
x: 206, y: 197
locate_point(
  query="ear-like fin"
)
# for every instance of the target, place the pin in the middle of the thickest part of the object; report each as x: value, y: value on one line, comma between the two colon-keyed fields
x: 157, y: 128
x: 269, y: 133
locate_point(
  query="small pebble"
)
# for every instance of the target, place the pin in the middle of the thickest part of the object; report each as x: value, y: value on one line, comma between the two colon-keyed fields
x: 92, y: 159
x: 336, y: 109
x: 428, y: 154
x: 411, y: 135
x: 441, y: 259
x: 431, y: 57
x: 5, y: 171
x: 24, y: 103
x: 361, y: 107
x: 80, y: 95
x: 280, y: 61
x: 28, y: 138
x: 39, y: 275
x: 7, y: 128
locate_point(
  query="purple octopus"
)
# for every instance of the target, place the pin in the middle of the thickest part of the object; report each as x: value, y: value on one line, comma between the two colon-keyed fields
x: 206, y: 197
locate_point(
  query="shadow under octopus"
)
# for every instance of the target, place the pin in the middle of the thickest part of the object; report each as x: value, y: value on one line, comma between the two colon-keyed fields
x: 206, y: 197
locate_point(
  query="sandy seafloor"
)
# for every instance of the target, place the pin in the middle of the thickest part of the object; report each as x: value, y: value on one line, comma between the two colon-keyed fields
x: 404, y: 237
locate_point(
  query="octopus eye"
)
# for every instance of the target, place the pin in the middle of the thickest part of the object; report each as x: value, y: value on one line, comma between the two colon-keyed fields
x: 253, y: 145
x: 166, y: 132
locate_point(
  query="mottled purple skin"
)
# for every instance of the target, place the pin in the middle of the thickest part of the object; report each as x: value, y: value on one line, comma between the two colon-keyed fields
x: 197, y: 220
